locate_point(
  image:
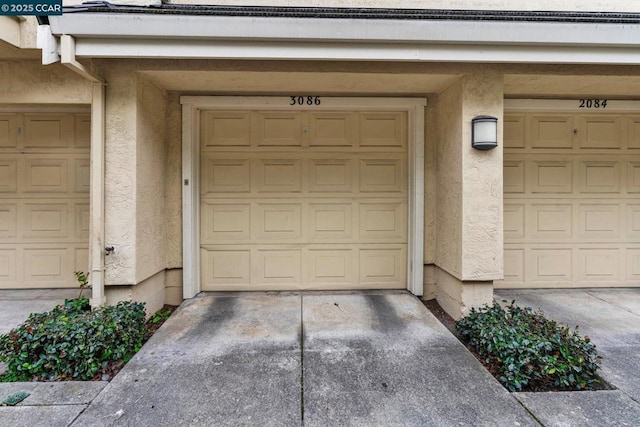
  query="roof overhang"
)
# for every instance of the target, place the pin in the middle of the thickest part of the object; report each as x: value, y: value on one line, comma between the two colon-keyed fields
x: 157, y: 35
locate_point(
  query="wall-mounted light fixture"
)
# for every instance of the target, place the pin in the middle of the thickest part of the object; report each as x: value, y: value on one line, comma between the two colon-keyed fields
x: 484, y: 132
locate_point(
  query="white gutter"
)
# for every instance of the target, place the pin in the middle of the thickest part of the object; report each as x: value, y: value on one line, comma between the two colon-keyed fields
x: 97, y: 232
x: 109, y: 35
x: 198, y: 49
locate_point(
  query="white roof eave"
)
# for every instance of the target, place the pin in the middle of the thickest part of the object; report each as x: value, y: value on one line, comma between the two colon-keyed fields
x: 188, y: 36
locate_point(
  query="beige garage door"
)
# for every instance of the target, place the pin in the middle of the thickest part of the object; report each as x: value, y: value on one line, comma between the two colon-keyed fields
x: 572, y: 200
x: 44, y: 199
x: 303, y: 200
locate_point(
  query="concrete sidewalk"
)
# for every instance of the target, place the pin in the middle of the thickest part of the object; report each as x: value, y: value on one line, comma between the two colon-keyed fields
x: 316, y: 359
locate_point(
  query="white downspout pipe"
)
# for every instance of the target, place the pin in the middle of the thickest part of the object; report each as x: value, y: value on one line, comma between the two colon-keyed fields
x: 97, y: 232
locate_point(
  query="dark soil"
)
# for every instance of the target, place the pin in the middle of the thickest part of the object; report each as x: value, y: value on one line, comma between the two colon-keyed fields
x: 448, y: 322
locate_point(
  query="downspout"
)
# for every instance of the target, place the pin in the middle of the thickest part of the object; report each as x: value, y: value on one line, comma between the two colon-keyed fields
x: 97, y: 187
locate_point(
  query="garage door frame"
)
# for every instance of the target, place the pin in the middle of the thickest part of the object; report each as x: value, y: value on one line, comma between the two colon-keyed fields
x: 192, y: 106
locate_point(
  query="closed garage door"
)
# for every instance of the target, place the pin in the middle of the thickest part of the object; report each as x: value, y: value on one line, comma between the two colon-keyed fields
x: 572, y: 200
x: 44, y: 199
x: 303, y: 200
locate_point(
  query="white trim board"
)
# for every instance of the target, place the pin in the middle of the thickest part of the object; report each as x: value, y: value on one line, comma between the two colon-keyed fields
x: 193, y: 105
x: 572, y: 105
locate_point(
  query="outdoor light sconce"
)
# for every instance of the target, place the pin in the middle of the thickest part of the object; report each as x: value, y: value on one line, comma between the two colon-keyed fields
x: 484, y: 132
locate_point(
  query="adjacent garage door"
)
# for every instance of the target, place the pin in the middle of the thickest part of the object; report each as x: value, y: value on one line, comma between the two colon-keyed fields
x: 571, y: 200
x: 303, y: 200
x: 44, y: 199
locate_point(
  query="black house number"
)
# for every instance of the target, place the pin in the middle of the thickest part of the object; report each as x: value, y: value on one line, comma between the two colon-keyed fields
x: 593, y: 103
x: 304, y: 100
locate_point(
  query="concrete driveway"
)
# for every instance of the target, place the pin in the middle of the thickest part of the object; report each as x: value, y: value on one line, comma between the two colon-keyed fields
x: 315, y: 359
x: 335, y: 359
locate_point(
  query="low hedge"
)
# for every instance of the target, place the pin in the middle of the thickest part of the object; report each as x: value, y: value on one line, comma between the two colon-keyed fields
x: 529, y: 352
x: 72, y: 342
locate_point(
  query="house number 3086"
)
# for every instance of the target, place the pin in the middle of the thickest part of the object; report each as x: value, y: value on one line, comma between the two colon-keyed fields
x: 304, y: 100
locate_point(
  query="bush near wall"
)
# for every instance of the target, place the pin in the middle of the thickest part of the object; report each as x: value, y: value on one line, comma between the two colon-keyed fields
x: 528, y: 352
x: 73, y: 342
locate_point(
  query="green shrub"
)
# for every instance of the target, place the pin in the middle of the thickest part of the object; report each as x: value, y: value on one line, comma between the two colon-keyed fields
x: 72, y: 342
x: 529, y: 351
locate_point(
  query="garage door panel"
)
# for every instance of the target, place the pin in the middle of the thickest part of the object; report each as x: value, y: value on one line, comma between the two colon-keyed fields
x: 554, y: 131
x: 8, y: 220
x: 331, y: 267
x: 45, y: 220
x: 550, y: 221
x: 49, y: 131
x: 634, y: 132
x: 633, y: 265
x: 225, y: 175
x: 514, y: 265
x: 333, y: 129
x: 599, y: 176
x: 598, y: 265
x: 273, y: 129
x: 81, y: 220
x: 8, y: 130
x: 223, y: 129
x: 278, y: 175
x: 598, y: 221
x: 383, y: 129
x: 8, y: 176
x: 514, y: 131
x: 331, y: 221
x: 45, y: 265
x: 82, y: 176
x: 600, y: 132
x: 282, y: 221
x: 381, y: 175
x: 225, y: 267
x: 633, y: 221
x: 514, y: 220
x: 82, y: 131
x: 225, y: 222
x: 550, y: 265
x: 279, y: 266
x: 513, y: 174
x: 8, y: 262
x: 382, y: 267
x: 548, y: 176
x: 633, y: 178
x: 331, y: 175
x: 382, y: 221
x: 46, y: 176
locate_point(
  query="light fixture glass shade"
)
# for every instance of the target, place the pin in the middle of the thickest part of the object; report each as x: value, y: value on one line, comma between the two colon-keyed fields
x: 484, y: 132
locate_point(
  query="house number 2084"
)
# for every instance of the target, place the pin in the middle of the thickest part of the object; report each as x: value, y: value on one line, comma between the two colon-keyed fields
x: 593, y: 103
x: 304, y: 100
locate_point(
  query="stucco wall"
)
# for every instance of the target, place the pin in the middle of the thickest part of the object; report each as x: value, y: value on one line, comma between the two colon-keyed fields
x: 173, y: 182
x: 135, y: 161
x: 150, y: 181
x: 448, y: 254
x: 120, y: 175
x: 469, y: 182
x: 29, y: 82
x: 482, y: 242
